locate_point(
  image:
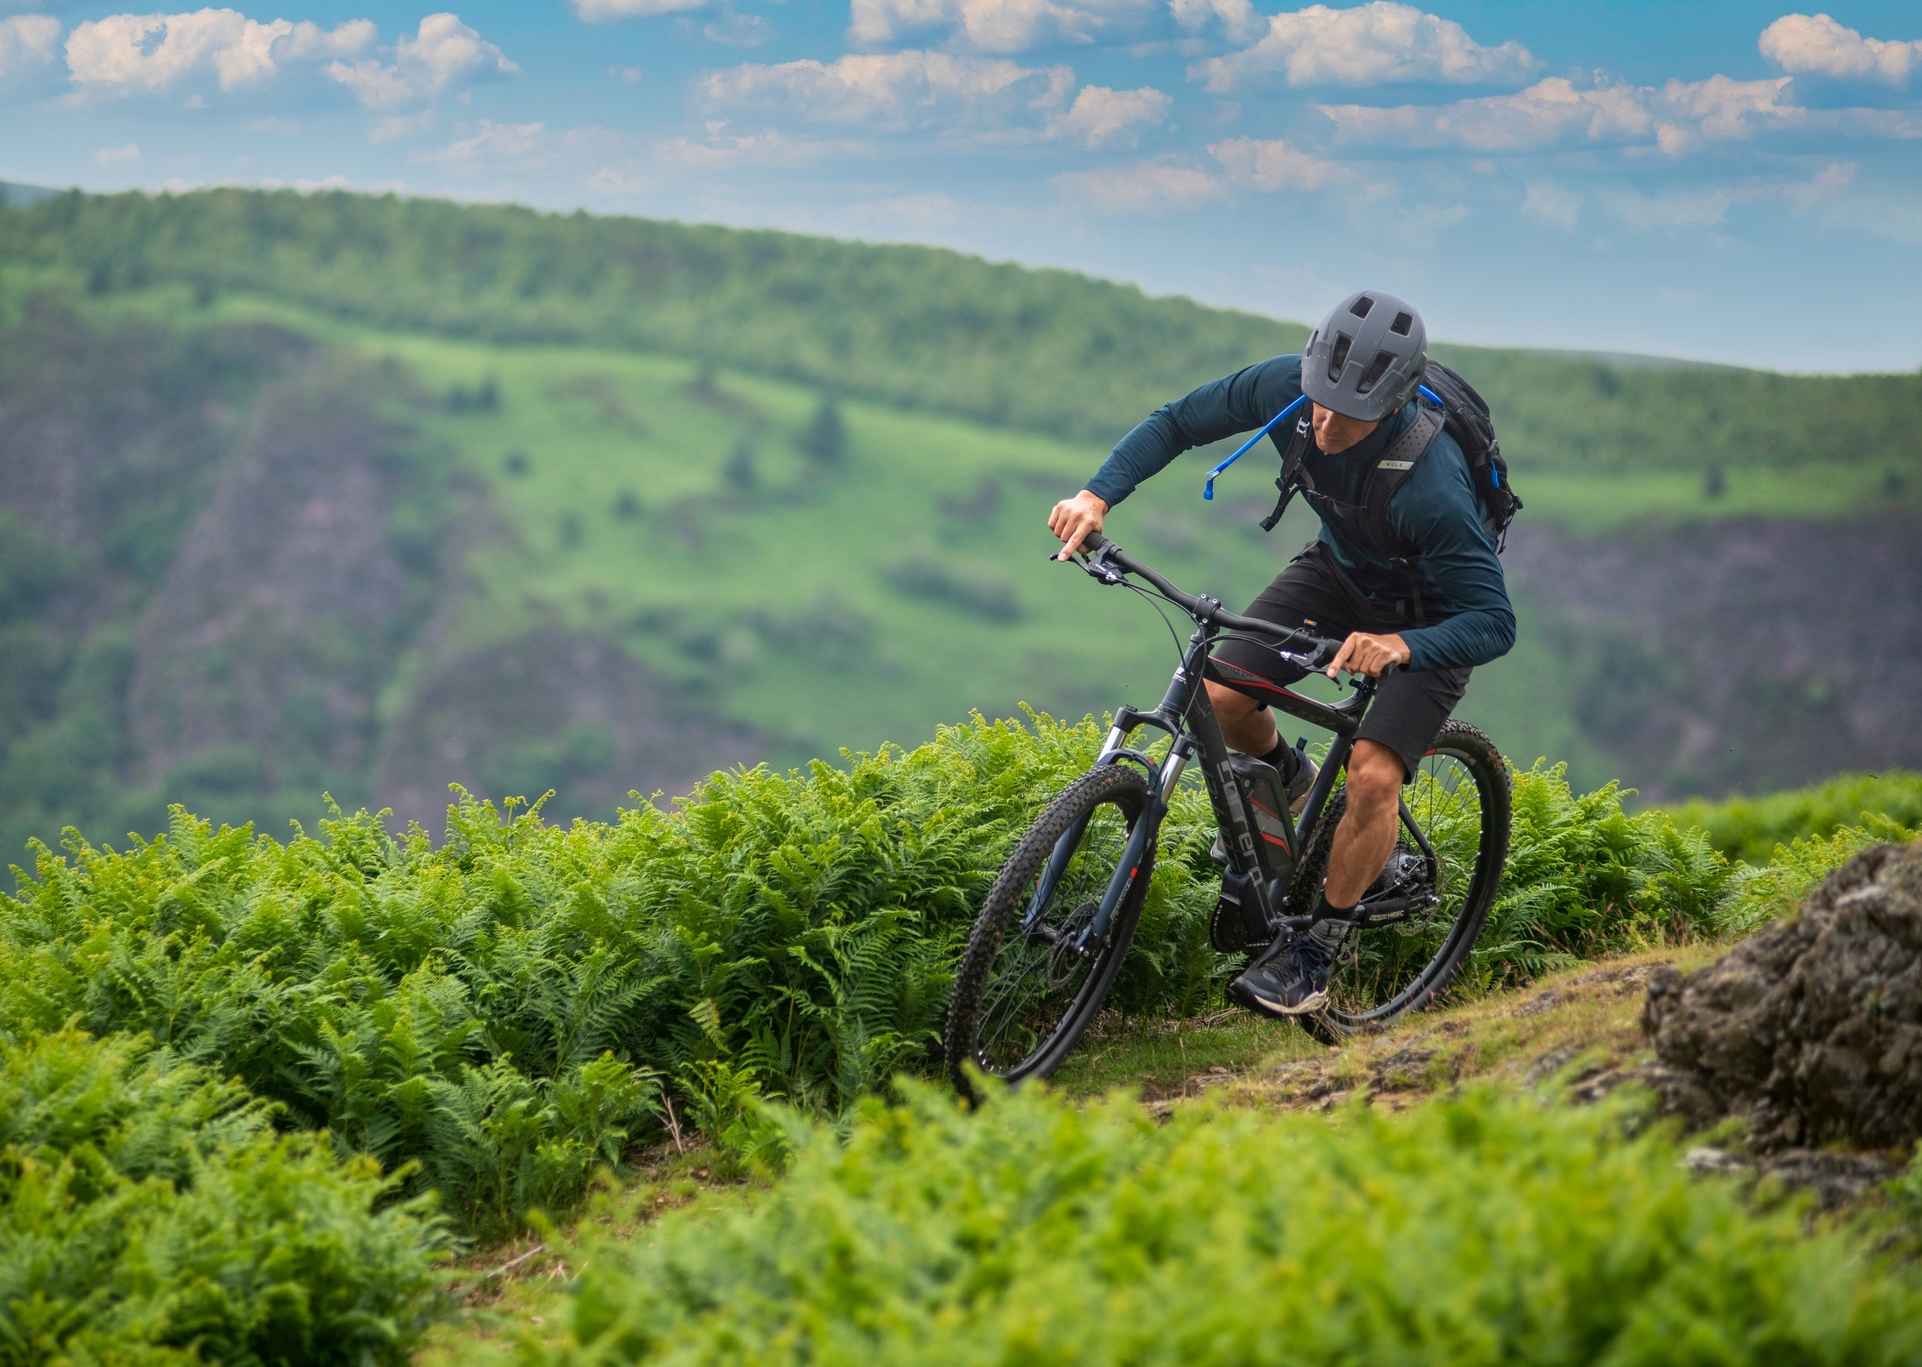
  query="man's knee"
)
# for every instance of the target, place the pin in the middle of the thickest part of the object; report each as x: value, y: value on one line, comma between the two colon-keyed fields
x: 1374, y: 775
x: 1230, y: 704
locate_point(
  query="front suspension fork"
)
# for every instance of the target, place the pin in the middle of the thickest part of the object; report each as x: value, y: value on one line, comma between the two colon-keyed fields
x: 1163, y: 781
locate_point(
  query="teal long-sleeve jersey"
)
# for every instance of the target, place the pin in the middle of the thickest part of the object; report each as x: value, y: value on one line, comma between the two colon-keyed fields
x: 1465, y: 596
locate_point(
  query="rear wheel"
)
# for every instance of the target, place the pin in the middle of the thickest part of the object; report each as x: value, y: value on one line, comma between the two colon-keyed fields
x: 1028, y: 984
x: 1459, y: 800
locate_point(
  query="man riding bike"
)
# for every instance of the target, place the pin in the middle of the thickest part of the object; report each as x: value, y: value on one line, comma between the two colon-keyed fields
x: 1430, y: 599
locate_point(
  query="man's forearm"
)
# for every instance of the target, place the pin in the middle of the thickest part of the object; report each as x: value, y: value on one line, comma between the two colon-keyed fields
x: 1463, y: 641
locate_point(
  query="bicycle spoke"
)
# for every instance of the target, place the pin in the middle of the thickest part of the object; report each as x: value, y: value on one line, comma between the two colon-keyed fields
x: 1037, y: 973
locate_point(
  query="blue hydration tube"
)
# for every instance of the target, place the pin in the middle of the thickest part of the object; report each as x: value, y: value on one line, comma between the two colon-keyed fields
x: 1208, y: 485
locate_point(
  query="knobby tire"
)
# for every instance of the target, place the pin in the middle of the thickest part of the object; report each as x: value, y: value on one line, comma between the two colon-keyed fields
x: 1007, y: 903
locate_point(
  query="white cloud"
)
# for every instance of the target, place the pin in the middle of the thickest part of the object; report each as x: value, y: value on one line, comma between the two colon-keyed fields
x: 1831, y: 193
x: 397, y: 126
x: 1372, y: 44
x: 1556, y: 112
x: 619, y: 180
x: 117, y: 156
x: 1002, y: 26
x: 606, y: 11
x: 493, y: 143
x: 1816, y: 45
x: 896, y: 91
x: 1825, y: 186
x: 723, y: 148
x: 145, y: 53
x: 1145, y: 187
x: 310, y: 41
x: 882, y: 21
x: 945, y: 94
x: 1551, y: 204
x: 1546, y: 113
x: 443, y: 53
x: 735, y: 29
x: 1238, y: 19
x: 1100, y: 116
x: 1719, y: 109
x: 1841, y: 202
x: 27, y: 40
x: 628, y: 75
x: 1272, y: 164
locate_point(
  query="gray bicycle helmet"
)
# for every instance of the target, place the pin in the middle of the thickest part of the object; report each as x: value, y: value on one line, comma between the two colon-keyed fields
x: 1366, y: 358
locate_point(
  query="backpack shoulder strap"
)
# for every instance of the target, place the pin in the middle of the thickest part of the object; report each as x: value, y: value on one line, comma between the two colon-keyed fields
x: 1294, y: 472
x: 1393, y: 466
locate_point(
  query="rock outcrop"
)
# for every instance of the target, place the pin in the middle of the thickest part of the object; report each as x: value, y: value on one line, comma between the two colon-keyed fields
x: 1811, y: 1029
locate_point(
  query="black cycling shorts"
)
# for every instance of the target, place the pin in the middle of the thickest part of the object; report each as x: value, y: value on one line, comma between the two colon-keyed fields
x: 1411, y: 706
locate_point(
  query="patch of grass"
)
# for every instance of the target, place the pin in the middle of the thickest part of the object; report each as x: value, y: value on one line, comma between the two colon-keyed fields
x: 1481, y: 1229
x: 521, y: 1288
x: 1750, y: 828
x: 1174, y: 1057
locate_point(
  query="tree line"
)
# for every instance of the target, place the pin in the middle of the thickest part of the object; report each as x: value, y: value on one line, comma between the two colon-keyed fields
x: 1040, y: 350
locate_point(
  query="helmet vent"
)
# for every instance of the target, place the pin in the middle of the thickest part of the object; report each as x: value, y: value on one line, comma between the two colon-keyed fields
x: 1361, y: 306
x: 1376, y: 369
x: 1403, y: 322
x: 1339, y: 358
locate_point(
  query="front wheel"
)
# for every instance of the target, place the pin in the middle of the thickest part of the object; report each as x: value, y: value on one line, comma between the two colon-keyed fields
x: 1460, y: 801
x: 1029, y: 982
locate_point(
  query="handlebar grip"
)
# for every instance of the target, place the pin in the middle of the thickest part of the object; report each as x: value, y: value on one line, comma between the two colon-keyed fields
x: 1093, y: 541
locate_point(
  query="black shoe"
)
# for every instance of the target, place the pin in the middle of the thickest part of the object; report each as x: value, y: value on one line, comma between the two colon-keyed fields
x: 1291, y: 979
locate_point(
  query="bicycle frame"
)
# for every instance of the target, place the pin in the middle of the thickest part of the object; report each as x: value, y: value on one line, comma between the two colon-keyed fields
x: 1185, y: 713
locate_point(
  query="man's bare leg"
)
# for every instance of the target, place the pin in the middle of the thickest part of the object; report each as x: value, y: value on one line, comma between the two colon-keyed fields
x: 1245, y: 725
x: 1366, y: 836
x: 1292, y: 976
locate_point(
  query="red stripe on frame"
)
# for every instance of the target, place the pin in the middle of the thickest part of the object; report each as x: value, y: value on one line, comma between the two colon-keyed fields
x: 1260, y: 682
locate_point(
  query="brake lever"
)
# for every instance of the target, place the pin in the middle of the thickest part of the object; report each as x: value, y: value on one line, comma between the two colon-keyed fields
x: 1095, y: 566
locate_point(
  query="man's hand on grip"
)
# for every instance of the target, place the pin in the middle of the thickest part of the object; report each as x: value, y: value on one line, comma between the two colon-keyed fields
x: 1073, y: 518
x: 1366, y: 653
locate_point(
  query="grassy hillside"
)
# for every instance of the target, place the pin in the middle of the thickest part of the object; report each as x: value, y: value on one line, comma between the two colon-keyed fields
x: 1043, y: 351
x: 593, y: 537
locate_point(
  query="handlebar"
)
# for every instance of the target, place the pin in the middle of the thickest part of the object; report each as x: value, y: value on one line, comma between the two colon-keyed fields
x: 1104, y: 554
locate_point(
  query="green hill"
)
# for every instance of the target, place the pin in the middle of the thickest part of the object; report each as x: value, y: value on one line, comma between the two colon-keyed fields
x: 370, y: 495
x: 921, y: 328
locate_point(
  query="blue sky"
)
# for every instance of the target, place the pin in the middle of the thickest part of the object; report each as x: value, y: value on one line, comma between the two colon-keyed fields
x: 1724, y: 180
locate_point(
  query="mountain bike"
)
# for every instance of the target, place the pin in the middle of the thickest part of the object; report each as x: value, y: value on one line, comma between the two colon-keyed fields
x: 1051, y: 935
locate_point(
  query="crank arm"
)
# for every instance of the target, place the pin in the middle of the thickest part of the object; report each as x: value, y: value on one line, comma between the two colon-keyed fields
x: 1366, y: 915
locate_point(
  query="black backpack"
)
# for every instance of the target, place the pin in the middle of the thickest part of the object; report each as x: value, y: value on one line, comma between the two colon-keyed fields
x: 1464, y: 416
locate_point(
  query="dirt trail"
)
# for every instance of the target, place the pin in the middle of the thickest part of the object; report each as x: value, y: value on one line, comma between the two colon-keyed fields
x: 1582, y: 1026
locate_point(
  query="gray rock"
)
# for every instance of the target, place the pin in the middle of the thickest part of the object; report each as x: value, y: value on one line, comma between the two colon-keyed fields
x: 1813, y: 1028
